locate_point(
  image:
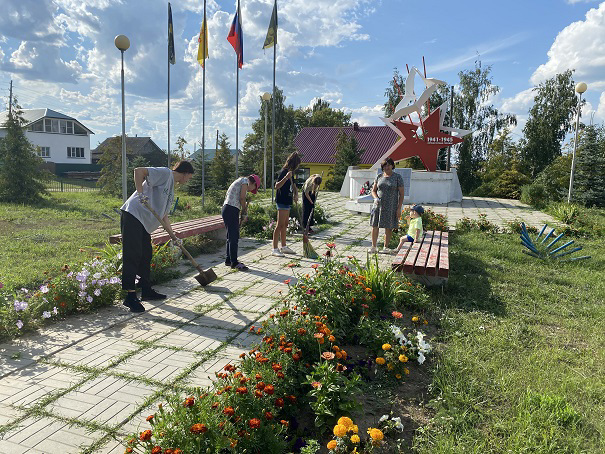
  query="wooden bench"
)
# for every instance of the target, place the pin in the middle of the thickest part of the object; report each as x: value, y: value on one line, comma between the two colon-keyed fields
x: 183, y: 229
x: 426, y: 261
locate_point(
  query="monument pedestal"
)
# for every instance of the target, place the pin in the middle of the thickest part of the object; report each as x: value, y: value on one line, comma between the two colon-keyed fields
x: 424, y: 187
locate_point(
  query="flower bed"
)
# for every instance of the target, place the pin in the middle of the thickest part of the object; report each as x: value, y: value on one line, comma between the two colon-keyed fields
x: 301, y: 371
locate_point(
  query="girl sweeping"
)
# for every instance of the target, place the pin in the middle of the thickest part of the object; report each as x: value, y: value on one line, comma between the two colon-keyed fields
x: 284, y: 197
x: 310, y: 189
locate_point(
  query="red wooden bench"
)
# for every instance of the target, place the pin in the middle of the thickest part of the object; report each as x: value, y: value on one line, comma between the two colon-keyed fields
x: 426, y: 261
x: 182, y: 229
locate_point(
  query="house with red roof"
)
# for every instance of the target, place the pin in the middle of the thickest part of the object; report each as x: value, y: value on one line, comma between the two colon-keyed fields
x: 317, y: 145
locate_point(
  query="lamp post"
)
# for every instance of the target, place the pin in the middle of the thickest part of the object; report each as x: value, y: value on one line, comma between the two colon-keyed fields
x: 266, y: 97
x: 580, y: 88
x: 123, y: 43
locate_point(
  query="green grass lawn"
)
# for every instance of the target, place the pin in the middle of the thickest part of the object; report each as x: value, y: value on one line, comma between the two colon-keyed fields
x: 35, y: 239
x: 522, y: 363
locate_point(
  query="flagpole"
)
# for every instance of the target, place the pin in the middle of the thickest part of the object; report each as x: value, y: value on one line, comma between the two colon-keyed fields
x: 273, y: 120
x: 168, y: 63
x: 204, y: 103
x: 236, y: 117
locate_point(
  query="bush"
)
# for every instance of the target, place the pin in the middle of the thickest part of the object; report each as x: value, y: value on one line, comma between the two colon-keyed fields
x: 482, y: 224
x: 507, y: 185
x: 430, y: 220
x: 565, y: 212
x: 535, y: 195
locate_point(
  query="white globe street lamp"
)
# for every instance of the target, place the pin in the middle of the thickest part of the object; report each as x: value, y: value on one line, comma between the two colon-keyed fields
x: 123, y: 43
x: 581, y: 87
x: 266, y: 97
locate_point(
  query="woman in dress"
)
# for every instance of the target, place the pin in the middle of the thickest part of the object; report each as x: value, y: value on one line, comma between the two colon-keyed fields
x: 388, y: 195
x: 284, y: 197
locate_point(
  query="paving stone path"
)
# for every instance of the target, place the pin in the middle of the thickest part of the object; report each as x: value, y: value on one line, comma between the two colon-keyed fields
x: 85, y: 383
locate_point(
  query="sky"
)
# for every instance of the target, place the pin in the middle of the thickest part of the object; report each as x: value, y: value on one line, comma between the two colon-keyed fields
x: 61, y: 55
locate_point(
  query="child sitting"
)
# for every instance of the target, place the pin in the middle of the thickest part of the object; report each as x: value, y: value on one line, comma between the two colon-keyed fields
x: 415, y: 229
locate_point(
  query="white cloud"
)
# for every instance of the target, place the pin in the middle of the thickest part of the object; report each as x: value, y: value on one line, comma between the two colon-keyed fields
x: 520, y: 103
x: 579, y: 46
x: 367, y: 115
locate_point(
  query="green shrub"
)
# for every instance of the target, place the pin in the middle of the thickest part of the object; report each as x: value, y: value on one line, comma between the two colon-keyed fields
x: 507, y: 185
x: 385, y: 284
x: 482, y: 224
x: 430, y: 220
x: 565, y: 212
x: 535, y: 195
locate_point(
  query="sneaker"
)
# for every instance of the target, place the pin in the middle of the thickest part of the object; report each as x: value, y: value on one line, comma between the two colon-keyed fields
x: 385, y: 250
x: 277, y: 253
x: 240, y: 267
x: 133, y: 303
x: 150, y: 295
x: 372, y: 250
x: 287, y: 250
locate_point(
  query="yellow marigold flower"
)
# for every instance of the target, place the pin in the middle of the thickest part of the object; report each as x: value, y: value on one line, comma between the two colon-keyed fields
x: 355, y: 439
x: 332, y: 444
x: 415, y: 318
x: 390, y: 366
x: 380, y: 360
x: 403, y: 358
x: 398, y: 376
x: 345, y: 421
x: 355, y: 429
x: 340, y: 430
x: 376, y: 434
x: 407, y: 371
x: 386, y: 346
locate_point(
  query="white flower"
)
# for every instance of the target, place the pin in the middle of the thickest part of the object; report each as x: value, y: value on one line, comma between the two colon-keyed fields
x: 19, y: 324
x: 81, y: 294
x: 97, y: 292
x: 44, y: 289
x: 421, y: 358
x: 55, y: 311
x: 383, y: 418
x: 397, y: 422
x: 96, y: 275
x: 46, y: 314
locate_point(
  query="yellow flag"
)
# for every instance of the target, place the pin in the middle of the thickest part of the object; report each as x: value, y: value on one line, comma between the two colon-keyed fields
x: 202, y: 51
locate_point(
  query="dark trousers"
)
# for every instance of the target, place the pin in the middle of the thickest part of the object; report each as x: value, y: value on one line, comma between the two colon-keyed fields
x: 307, y: 207
x: 136, y: 253
x: 231, y: 217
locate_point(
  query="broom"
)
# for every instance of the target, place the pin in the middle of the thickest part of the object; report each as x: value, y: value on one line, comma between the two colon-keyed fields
x: 308, y: 250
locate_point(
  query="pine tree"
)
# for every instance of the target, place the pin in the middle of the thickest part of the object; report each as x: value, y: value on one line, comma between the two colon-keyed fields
x: 194, y: 187
x: 223, y: 168
x: 110, y: 181
x: 21, y: 175
x: 589, y: 181
x: 347, y: 154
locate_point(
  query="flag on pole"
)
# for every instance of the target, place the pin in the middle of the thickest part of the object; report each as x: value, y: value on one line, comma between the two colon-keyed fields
x: 271, y: 38
x: 171, y: 56
x: 236, y: 37
x: 202, y: 51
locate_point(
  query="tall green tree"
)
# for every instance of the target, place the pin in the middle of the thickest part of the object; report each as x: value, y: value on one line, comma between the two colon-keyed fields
x: 550, y: 119
x: 473, y: 110
x: 110, y: 181
x: 394, y: 92
x: 21, y: 176
x: 347, y: 154
x: 194, y: 186
x: 589, y: 181
x: 223, y: 167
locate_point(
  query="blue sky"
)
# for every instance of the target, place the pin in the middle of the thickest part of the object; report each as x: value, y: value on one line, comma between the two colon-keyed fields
x: 60, y: 54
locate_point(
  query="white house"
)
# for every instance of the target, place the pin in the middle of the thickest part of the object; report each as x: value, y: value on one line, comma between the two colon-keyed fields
x: 59, y: 138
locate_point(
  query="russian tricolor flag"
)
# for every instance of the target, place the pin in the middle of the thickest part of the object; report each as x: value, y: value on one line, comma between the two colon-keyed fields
x: 236, y: 37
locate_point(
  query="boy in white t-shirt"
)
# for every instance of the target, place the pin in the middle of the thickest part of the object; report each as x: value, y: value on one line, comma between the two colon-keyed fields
x: 415, y: 231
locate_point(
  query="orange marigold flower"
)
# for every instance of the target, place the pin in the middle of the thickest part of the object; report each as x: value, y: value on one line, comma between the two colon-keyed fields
x: 280, y: 374
x: 229, y: 411
x: 198, y: 429
x: 260, y: 385
x: 254, y: 423
x: 156, y: 450
x: 344, y: 354
x: 150, y: 418
x: 397, y: 314
x: 316, y: 385
x: 332, y: 445
x: 145, y: 435
x: 287, y: 281
x: 189, y: 402
x: 279, y: 402
x: 269, y: 389
x: 291, y: 398
x: 296, y: 356
x: 368, y: 289
x: 243, y: 355
x: 327, y: 355
x: 258, y: 393
x: 242, y: 390
x: 315, y: 266
x: 285, y: 423
x: 338, y: 355
x: 331, y: 338
x: 258, y: 376
x: 276, y: 366
x: 268, y: 415
x: 128, y: 451
x: 336, y: 348
x: 318, y: 335
x: 302, y: 331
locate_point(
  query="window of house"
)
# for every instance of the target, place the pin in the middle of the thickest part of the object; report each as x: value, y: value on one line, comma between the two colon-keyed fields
x: 79, y: 129
x: 70, y: 127
x: 301, y: 175
x: 47, y: 125
x: 63, y: 126
x: 38, y: 126
x: 55, y: 125
x: 75, y: 152
x: 44, y: 152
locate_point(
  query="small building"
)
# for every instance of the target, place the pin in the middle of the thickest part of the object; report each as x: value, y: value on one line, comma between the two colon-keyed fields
x: 60, y: 139
x: 135, y: 146
x: 317, y: 145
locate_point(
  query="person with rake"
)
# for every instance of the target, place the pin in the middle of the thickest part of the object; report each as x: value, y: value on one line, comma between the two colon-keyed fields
x: 154, y: 187
x: 309, y: 190
x: 285, y: 195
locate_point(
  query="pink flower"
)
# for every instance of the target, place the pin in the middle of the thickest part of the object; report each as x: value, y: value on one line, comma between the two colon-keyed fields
x: 311, y: 291
x: 19, y: 324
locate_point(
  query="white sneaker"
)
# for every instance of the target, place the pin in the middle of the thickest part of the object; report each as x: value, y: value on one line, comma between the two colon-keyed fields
x: 372, y: 250
x: 385, y: 250
x: 287, y: 250
x: 277, y: 253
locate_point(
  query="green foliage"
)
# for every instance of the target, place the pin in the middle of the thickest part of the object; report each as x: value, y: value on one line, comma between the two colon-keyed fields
x: 430, y: 220
x: 482, y: 224
x: 474, y: 112
x: 555, y: 178
x: 335, y: 396
x: 194, y: 186
x: 385, y: 285
x: 223, y: 168
x: 506, y: 185
x: 534, y: 194
x: 565, y: 212
x: 347, y: 154
x: 110, y: 181
x: 21, y: 179
x: 311, y: 447
x: 163, y: 262
x: 589, y: 181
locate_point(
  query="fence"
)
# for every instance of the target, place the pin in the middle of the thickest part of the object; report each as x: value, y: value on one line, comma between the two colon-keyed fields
x: 64, y: 186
